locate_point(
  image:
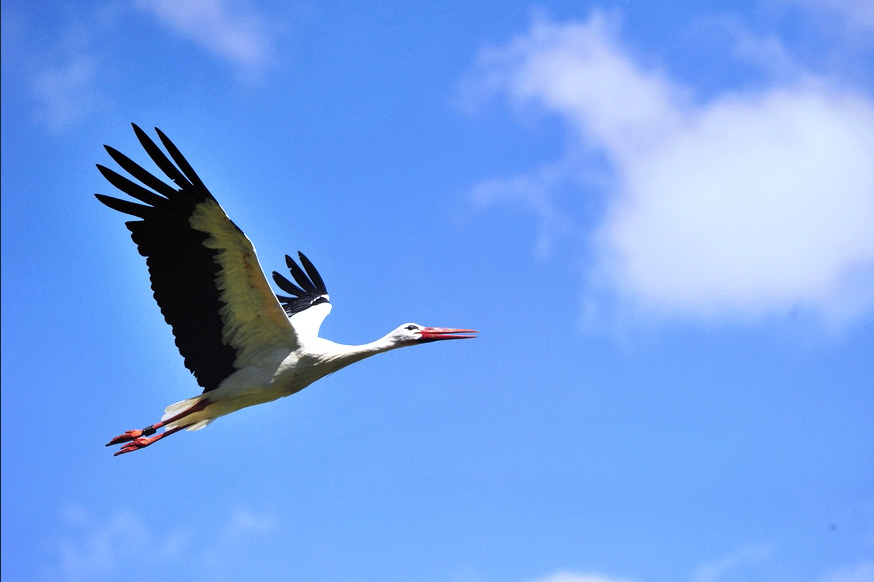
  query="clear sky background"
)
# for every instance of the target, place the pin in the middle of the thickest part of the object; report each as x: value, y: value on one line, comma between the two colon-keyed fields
x: 660, y: 216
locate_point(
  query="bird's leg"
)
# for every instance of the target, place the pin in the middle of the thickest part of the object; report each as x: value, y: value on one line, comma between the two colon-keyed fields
x: 142, y: 442
x: 152, y: 429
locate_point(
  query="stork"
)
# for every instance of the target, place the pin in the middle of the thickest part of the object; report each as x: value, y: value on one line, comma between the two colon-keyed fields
x: 244, y: 344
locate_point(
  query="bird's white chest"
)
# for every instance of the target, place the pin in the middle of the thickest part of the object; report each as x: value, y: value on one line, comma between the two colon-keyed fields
x: 280, y: 374
x: 298, y: 371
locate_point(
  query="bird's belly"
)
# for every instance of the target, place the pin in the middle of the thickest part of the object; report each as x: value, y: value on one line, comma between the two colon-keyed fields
x: 261, y: 384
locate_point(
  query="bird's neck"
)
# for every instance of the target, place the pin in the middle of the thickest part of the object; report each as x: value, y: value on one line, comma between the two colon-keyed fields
x: 341, y: 355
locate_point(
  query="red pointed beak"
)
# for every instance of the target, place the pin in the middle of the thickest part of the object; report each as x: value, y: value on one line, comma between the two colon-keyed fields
x: 432, y: 334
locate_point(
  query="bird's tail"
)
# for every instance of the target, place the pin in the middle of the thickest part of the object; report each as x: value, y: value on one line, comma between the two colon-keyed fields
x: 181, y: 406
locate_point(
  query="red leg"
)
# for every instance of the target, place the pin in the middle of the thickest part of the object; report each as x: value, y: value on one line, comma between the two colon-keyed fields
x: 142, y: 442
x: 150, y: 430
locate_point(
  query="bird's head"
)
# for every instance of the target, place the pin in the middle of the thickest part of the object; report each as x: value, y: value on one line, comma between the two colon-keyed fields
x: 412, y: 333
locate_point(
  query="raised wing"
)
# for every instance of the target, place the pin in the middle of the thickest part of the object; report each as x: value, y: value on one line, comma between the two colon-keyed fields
x: 309, y: 304
x: 204, y: 271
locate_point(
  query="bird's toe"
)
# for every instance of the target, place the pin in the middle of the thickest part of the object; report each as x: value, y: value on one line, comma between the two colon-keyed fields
x: 134, y: 445
x: 127, y: 436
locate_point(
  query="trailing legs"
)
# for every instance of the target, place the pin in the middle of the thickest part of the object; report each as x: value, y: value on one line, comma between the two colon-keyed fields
x: 138, y: 439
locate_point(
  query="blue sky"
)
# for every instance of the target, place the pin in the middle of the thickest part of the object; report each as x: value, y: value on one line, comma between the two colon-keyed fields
x: 660, y: 216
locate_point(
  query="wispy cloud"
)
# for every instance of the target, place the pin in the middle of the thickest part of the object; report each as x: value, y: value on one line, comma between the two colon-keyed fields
x: 861, y: 572
x: 243, y: 527
x: 229, y: 29
x: 535, y: 191
x: 716, y: 570
x: 746, y: 562
x: 564, y: 576
x: 93, y: 547
x: 746, y: 205
x: 67, y: 93
x: 69, y: 80
x: 64, y: 76
x: 856, y: 15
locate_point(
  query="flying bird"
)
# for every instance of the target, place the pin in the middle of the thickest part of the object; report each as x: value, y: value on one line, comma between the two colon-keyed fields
x: 244, y: 344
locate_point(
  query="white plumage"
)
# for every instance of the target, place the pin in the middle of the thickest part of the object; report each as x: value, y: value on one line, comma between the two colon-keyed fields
x: 244, y: 344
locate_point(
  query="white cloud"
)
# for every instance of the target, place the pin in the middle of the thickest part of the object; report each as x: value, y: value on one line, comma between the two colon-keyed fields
x: 747, y: 205
x: 755, y: 204
x: 229, y: 29
x: 581, y: 72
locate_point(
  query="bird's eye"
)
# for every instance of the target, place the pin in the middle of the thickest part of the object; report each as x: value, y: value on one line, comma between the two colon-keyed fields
x: 412, y: 327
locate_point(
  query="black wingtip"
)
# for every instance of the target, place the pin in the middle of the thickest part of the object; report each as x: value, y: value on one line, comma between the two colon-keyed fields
x: 141, y: 135
x: 183, y: 164
x: 313, y: 273
x: 125, y: 206
x: 139, y: 132
x: 287, y: 285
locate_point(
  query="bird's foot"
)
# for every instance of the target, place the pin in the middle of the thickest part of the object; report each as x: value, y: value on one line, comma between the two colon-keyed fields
x: 139, y: 439
x: 123, y: 438
x: 136, y: 443
x: 131, y: 435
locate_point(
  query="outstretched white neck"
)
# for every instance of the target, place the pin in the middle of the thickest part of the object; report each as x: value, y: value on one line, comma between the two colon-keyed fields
x: 341, y: 355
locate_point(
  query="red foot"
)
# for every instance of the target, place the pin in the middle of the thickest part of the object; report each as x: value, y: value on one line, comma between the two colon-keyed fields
x: 123, y: 438
x: 139, y: 442
x: 136, y: 444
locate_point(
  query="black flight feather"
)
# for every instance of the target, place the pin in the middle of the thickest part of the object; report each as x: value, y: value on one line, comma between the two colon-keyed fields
x: 182, y: 270
x: 313, y: 273
x: 180, y: 160
x: 140, y: 174
x: 129, y: 187
x: 299, y: 275
x: 161, y: 160
x: 312, y: 290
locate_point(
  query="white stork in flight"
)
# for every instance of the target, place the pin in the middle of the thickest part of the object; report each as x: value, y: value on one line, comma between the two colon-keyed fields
x: 244, y: 344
